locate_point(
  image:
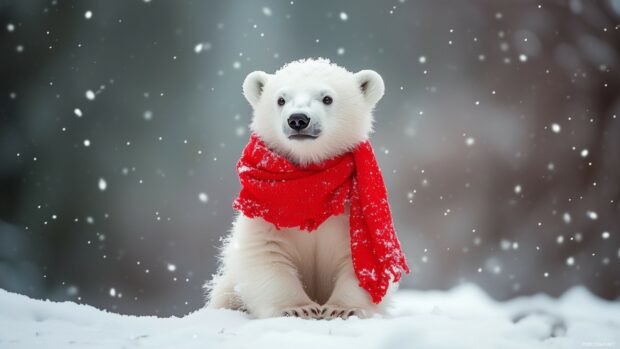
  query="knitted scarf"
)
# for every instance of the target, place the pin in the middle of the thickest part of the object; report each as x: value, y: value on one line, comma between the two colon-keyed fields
x: 288, y: 195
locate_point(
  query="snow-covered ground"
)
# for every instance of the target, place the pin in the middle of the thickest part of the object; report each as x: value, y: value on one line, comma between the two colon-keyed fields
x: 464, y: 317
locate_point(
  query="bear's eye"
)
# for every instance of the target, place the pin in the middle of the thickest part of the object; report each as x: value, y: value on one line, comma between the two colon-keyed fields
x: 281, y: 101
x: 327, y: 100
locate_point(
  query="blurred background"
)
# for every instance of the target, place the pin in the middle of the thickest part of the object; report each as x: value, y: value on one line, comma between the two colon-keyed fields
x: 121, y: 123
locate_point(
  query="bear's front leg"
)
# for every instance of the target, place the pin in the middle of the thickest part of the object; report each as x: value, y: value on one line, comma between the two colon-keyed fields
x: 267, y: 280
x: 272, y: 288
x: 348, y: 298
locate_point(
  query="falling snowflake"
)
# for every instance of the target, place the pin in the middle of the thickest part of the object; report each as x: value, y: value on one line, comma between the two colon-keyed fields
x: 566, y: 217
x: 240, y: 131
x: 203, y: 46
x: 148, y: 115
x: 505, y: 245
x: 518, y: 189
x: 103, y: 185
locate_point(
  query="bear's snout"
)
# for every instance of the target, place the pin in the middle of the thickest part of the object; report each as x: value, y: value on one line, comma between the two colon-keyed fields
x: 298, y: 121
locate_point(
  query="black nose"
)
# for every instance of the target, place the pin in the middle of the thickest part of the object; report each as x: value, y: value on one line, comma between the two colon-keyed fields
x: 298, y: 121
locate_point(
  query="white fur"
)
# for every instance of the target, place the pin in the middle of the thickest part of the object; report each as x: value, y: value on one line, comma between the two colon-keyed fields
x: 345, y: 123
x: 271, y: 272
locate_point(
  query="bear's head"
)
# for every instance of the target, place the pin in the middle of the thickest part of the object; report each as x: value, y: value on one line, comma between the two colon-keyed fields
x: 311, y: 110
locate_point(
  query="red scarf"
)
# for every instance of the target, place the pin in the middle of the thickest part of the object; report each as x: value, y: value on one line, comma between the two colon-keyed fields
x: 288, y: 195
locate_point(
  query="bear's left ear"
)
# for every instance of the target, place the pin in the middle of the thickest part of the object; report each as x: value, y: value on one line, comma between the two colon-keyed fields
x: 253, y: 86
x: 371, y: 85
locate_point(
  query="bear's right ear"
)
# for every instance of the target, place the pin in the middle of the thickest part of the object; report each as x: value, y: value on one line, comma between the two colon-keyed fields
x: 253, y: 86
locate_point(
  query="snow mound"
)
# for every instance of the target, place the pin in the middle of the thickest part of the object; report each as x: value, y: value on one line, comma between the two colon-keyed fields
x: 464, y: 317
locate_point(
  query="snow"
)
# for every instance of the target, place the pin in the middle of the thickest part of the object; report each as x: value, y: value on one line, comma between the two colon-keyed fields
x: 102, y: 184
x: 592, y: 215
x: 202, y: 46
x: 464, y: 317
x: 518, y: 189
x: 566, y: 218
x: 240, y: 131
x: 147, y: 115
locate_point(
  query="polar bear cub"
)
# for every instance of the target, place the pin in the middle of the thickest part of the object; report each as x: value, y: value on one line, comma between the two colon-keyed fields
x: 327, y: 111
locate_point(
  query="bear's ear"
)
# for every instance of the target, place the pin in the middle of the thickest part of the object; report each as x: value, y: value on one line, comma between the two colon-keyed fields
x: 371, y: 85
x: 253, y: 86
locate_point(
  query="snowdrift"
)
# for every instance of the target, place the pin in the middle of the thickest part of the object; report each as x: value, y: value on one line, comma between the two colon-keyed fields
x: 464, y: 317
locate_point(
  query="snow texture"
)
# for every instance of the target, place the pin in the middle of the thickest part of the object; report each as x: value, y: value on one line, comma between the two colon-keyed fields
x: 464, y: 317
